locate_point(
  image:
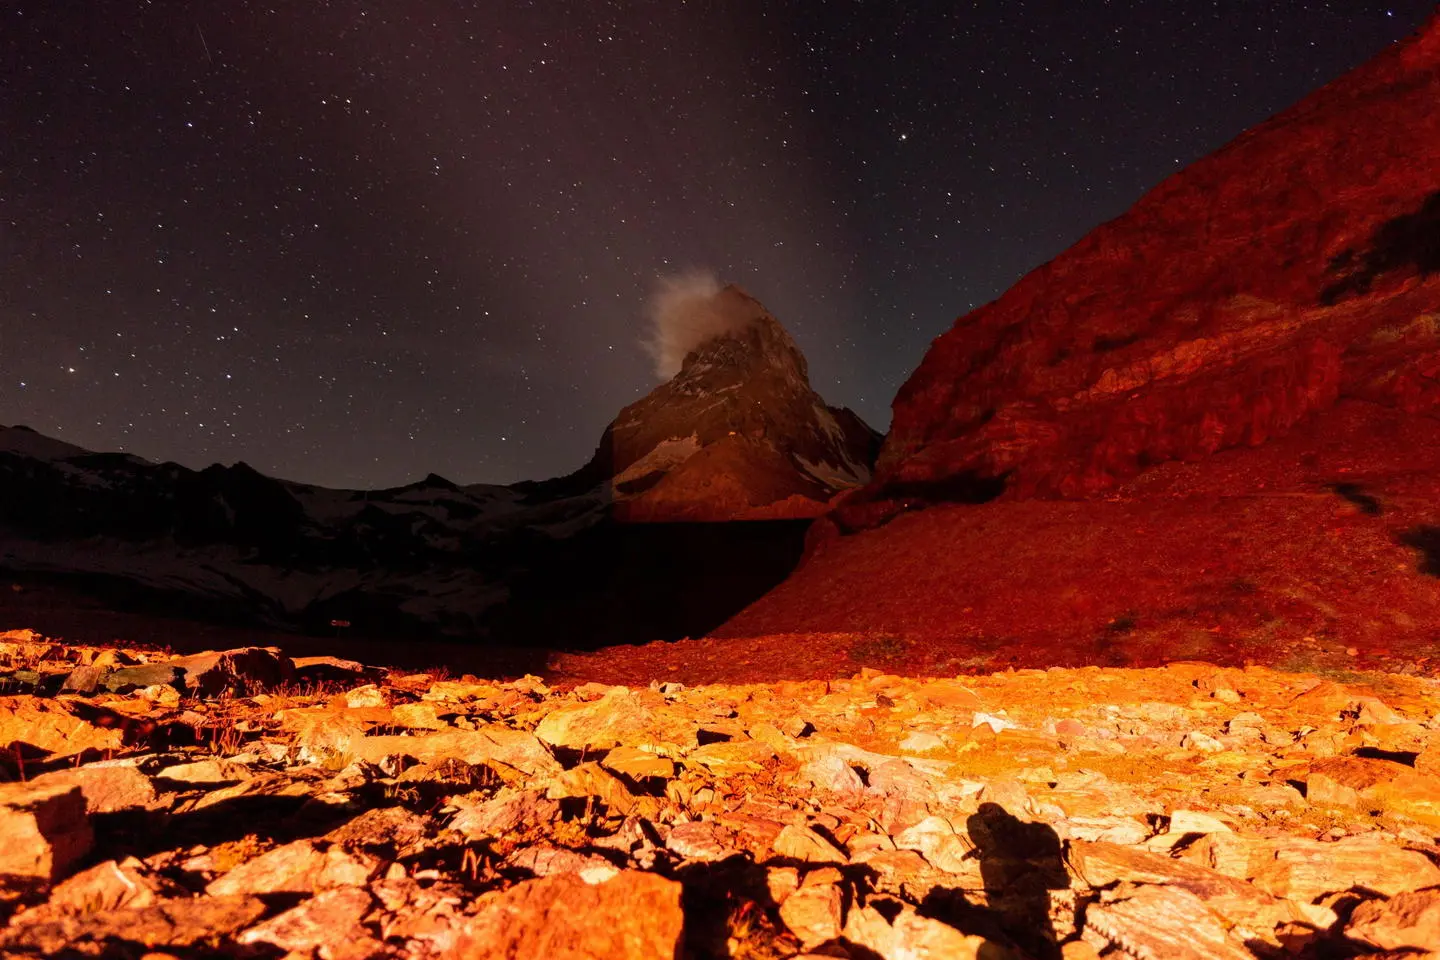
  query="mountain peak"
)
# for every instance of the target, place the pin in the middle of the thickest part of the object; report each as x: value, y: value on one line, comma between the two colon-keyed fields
x: 742, y: 398
x: 755, y: 345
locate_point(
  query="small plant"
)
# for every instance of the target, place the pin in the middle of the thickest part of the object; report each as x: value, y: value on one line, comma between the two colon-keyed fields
x: 227, y: 740
x: 393, y: 791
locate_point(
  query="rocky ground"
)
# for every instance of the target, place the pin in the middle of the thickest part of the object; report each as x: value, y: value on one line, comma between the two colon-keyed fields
x: 245, y: 803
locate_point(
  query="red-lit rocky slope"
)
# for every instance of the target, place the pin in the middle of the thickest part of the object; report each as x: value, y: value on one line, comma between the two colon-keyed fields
x: 1248, y: 292
x: 1208, y: 429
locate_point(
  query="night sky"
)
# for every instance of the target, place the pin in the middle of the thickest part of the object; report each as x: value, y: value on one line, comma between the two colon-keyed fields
x: 353, y: 243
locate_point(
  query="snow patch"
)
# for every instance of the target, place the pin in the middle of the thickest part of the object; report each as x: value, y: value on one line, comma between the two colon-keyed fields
x: 664, y: 457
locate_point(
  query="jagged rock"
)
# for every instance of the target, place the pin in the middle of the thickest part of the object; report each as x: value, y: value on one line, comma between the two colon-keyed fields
x: 732, y: 758
x: 180, y: 922
x: 108, y: 786
x: 83, y: 680
x: 815, y: 913
x: 417, y: 716
x: 633, y: 915
x: 328, y: 923
x: 1407, y: 921
x: 381, y: 827
x: 105, y: 886
x: 700, y: 841
x: 362, y: 697
x: 1102, y: 865
x: 638, y: 764
x: 593, y: 780
x: 1306, y: 870
x: 827, y: 770
x: 243, y: 670
x: 506, y: 751
x: 1152, y: 922
x: 921, y: 742
x: 126, y: 679
x: 910, y: 936
x: 45, y: 829
x: 50, y: 726
x: 802, y: 843
x: 303, y: 866
x: 936, y: 839
x: 261, y: 785
x: 1197, y: 821
x: 215, y: 771
x: 548, y: 861
x: 331, y: 669
x: 503, y: 813
x: 1125, y: 830
x: 621, y: 717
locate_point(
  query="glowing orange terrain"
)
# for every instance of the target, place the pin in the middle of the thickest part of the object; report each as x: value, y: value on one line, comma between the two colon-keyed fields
x: 247, y: 803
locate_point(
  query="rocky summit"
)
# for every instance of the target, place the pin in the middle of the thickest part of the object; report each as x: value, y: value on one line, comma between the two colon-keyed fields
x: 245, y: 803
x: 737, y: 434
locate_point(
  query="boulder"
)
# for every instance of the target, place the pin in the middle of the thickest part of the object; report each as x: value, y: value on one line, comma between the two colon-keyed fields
x: 621, y: 716
x: 126, y: 679
x: 180, y: 922
x: 45, y: 829
x: 50, y: 726
x: 633, y: 915
x: 303, y: 866
x: 327, y: 923
x: 909, y: 936
x: 244, y: 670
x: 1407, y: 921
x: 815, y: 914
x: 107, y: 786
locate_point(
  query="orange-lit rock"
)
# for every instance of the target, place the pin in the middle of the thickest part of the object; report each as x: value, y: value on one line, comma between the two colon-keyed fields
x: 783, y: 816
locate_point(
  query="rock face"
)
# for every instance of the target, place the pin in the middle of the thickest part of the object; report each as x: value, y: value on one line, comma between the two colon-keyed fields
x: 1248, y: 292
x: 738, y: 433
x: 45, y: 829
x: 1207, y: 430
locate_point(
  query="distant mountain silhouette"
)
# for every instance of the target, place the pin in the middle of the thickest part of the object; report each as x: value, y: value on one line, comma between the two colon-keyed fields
x: 737, y: 434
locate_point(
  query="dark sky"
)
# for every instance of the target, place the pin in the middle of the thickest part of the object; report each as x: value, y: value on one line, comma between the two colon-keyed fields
x: 352, y: 243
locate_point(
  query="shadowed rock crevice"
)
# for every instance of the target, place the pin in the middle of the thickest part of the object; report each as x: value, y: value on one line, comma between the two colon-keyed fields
x: 1354, y: 493
x: 1408, y: 242
x: 1425, y: 539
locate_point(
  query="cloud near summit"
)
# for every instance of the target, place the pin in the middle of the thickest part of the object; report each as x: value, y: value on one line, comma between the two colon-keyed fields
x: 683, y: 312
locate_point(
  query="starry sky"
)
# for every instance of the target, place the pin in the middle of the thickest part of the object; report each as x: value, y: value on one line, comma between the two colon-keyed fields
x: 351, y: 243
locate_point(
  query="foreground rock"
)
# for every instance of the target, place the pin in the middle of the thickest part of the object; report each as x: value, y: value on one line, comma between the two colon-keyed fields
x: 1191, y: 811
x: 44, y: 829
